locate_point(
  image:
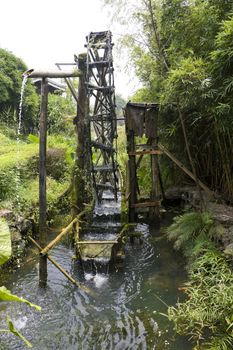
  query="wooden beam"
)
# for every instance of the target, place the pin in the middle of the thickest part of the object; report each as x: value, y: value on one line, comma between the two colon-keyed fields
x: 42, y: 180
x: 96, y: 242
x: 33, y: 73
x: 188, y: 172
x: 139, y: 153
x: 146, y: 204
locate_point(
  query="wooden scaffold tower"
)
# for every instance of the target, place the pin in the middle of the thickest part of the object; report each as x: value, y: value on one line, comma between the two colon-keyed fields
x: 102, y: 116
x: 141, y: 121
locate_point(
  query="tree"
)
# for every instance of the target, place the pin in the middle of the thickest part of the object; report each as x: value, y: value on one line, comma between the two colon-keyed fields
x: 11, y: 70
x: 182, y: 54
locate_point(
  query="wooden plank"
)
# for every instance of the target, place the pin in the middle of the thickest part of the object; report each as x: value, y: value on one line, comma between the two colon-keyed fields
x: 103, y: 168
x: 96, y: 242
x: 139, y: 153
x: 105, y: 186
x: 145, y: 204
x: 33, y: 73
x: 188, y: 172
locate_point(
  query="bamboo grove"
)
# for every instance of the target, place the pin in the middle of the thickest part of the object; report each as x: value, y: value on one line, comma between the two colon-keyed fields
x: 183, y: 55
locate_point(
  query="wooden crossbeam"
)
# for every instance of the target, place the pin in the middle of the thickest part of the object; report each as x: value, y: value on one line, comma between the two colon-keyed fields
x: 139, y: 153
x: 188, y: 172
x: 97, y: 242
x: 145, y: 204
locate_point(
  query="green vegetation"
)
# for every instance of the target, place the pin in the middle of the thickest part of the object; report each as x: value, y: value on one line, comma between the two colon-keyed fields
x: 207, y: 314
x: 182, y: 53
x: 5, y: 294
x: 19, y: 162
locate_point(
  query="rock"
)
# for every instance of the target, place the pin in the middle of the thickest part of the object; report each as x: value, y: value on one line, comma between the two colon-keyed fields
x: 6, y: 214
x: 229, y: 250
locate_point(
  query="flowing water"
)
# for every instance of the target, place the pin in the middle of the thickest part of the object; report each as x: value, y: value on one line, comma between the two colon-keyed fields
x: 24, y: 82
x: 125, y: 312
x: 20, y: 118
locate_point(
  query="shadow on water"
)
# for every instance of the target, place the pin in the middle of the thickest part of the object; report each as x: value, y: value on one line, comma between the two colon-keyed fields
x: 124, y: 314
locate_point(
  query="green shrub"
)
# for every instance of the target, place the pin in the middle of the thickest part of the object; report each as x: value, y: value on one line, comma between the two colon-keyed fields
x: 207, y: 314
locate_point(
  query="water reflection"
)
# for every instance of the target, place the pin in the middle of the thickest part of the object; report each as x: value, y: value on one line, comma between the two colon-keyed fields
x: 124, y: 314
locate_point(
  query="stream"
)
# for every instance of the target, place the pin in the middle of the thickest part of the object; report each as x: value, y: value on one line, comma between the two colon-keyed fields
x: 125, y: 312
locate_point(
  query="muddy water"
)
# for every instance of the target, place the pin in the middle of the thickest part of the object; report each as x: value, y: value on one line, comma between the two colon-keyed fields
x: 124, y: 314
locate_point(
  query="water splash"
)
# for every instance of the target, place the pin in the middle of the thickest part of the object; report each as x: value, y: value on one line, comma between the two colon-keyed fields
x: 19, y: 127
x: 24, y: 82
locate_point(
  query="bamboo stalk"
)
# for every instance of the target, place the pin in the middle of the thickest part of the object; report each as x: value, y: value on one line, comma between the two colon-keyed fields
x: 61, y: 234
x: 97, y: 242
x: 55, y: 263
x: 71, y: 279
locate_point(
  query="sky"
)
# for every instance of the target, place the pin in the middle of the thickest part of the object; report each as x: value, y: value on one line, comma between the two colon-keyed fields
x: 43, y: 32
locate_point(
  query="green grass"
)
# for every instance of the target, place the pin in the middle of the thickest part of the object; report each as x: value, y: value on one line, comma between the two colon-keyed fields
x: 207, y: 314
x: 19, y: 163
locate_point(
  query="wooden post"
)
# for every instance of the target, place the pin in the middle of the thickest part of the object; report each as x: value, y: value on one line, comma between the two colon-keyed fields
x: 82, y: 168
x: 154, y: 211
x: 132, y: 175
x: 42, y: 181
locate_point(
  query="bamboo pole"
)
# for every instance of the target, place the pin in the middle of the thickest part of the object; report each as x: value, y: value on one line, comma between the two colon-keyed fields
x: 188, y: 172
x: 42, y: 180
x: 57, y: 239
x: 97, y: 242
x: 71, y: 279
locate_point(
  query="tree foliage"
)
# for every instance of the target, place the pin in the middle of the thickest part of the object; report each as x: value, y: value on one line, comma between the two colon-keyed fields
x: 183, y: 55
x: 11, y: 70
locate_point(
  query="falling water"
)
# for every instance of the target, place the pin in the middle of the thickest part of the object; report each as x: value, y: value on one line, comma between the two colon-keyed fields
x: 19, y: 127
x: 24, y: 82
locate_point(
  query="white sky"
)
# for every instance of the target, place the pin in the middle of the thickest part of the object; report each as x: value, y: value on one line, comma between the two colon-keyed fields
x: 43, y: 32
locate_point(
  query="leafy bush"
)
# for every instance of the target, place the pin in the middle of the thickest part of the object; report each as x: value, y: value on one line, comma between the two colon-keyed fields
x: 207, y: 314
x: 189, y: 229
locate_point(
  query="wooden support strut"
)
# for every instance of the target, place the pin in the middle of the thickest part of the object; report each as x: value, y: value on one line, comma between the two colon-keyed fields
x: 61, y: 269
x: 42, y: 180
x: 66, y: 230
x: 33, y: 73
x: 188, y: 172
x: 97, y: 242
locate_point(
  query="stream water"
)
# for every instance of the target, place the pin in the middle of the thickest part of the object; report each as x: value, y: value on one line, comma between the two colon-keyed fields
x: 125, y: 312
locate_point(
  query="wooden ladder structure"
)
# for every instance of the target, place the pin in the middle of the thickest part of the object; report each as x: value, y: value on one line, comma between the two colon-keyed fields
x: 102, y: 117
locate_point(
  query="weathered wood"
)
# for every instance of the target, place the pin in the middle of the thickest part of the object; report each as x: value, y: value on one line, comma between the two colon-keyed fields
x: 102, y: 146
x: 82, y: 163
x: 105, y: 186
x: 139, y: 153
x: 66, y: 230
x: 61, y: 269
x: 132, y: 175
x: 70, y: 85
x: 146, y: 204
x: 188, y: 172
x: 33, y: 73
x: 101, y: 168
x: 96, y: 242
x: 42, y: 180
